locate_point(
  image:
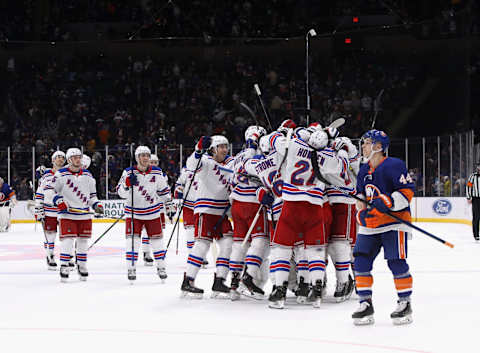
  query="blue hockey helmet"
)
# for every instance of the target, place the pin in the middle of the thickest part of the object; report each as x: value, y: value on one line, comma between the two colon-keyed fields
x: 377, y: 136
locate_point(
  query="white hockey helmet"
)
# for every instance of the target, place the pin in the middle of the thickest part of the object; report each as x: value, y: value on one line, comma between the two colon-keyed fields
x: 71, y: 152
x: 154, y: 157
x: 318, y: 140
x: 218, y: 140
x: 255, y: 131
x: 264, y: 144
x: 302, y: 133
x: 58, y: 154
x: 86, y: 160
x: 140, y: 150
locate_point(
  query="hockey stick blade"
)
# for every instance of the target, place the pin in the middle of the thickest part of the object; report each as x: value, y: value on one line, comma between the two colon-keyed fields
x: 250, y: 111
x: 337, y: 123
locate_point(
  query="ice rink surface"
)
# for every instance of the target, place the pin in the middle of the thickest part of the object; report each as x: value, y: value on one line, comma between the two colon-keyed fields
x: 40, y: 314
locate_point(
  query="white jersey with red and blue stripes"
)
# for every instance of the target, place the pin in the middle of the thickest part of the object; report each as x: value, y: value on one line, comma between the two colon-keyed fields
x: 213, y: 183
x: 299, y: 181
x: 346, y: 180
x: 77, y: 190
x: 265, y: 168
x: 45, y: 193
x: 149, y: 194
x: 184, y: 180
x: 243, y: 189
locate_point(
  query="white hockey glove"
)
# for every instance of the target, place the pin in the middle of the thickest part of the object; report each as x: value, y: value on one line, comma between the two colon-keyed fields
x: 332, y: 132
x: 344, y: 143
x: 39, y: 213
x: 170, y: 209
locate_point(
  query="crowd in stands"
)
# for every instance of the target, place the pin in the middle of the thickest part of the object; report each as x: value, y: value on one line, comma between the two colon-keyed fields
x: 49, y: 21
x: 97, y: 101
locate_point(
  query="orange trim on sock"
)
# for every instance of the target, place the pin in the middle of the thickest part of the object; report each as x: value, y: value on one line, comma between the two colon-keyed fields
x: 364, y: 281
x: 403, y: 283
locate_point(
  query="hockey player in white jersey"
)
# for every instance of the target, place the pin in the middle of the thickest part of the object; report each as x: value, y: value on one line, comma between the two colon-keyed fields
x: 149, y: 191
x: 45, y: 211
x: 343, y: 230
x: 267, y: 169
x: 269, y: 190
x: 212, y: 172
x: 165, y: 208
x: 303, y: 214
x: 244, y: 209
x: 75, y: 193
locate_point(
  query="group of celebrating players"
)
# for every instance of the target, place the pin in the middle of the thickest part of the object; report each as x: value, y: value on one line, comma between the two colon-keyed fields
x: 289, y: 195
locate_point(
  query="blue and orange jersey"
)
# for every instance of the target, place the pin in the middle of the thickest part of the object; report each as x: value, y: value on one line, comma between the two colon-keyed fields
x: 389, y: 176
x: 6, y: 193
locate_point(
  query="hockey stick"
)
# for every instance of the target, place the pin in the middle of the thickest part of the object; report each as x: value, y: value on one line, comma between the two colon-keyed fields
x: 178, y: 233
x: 250, y: 111
x: 376, y: 111
x: 320, y: 177
x: 132, y: 213
x: 250, y: 230
x: 259, y: 95
x: 184, y: 198
x: 219, y: 222
x: 101, y: 236
x: 30, y: 183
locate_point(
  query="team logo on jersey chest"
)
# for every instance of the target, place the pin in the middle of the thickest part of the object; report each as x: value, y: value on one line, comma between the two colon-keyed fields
x: 371, y: 191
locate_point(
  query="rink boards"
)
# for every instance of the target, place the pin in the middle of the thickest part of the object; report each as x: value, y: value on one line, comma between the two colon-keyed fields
x: 424, y: 209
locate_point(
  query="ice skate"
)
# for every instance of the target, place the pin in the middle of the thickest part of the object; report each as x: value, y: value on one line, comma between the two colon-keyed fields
x: 316, y: 294
x: 403, y: 313
x: 82, y: 272
x: 64, y: 273
x: 147, y: 259
x: 132, y: 275
x: 51, y: 264
x: 71, y: 263
x: 162, y: 273
x: 364, y: 314
x: 219, y: 289
x: 276, y: 300
x: 302, y: 291
x: 344, y: 290
x: 234, y: 286
x: 251, y: 290
x: 189, y: 289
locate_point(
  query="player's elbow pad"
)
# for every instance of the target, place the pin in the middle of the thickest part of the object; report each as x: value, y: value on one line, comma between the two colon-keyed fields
x: 400, y: 202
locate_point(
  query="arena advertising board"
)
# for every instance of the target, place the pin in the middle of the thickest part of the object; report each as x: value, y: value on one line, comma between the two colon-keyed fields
x: 424, y: 209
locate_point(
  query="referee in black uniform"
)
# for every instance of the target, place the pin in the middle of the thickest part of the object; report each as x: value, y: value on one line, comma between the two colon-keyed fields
x: 473, y: 197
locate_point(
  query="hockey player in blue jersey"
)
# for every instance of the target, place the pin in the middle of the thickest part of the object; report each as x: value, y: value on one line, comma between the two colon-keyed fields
x: 7, y: 201
x: 385, y: 184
